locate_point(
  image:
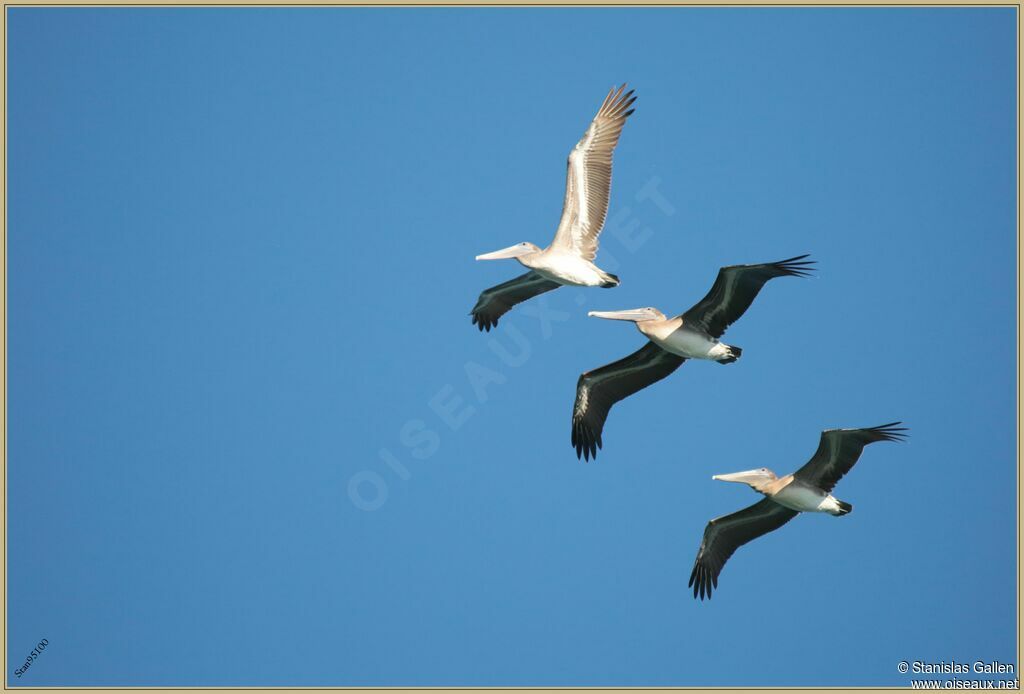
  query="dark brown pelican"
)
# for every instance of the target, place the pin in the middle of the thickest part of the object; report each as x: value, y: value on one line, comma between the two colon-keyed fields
x: 807, y: 490
x: 693, y: 335
x: 570, y: 257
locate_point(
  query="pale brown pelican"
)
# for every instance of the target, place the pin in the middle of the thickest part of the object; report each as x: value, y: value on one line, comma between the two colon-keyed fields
x: 569, y: 258
x: 806, y: 490
x: 693, y: 335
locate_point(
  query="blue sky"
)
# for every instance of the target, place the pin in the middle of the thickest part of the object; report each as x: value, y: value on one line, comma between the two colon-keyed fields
x: 240, y: 265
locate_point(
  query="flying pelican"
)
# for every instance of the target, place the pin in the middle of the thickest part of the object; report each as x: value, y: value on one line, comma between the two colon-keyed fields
x: 808, y: 489
x: 569, y: 258
x: 693, y: 335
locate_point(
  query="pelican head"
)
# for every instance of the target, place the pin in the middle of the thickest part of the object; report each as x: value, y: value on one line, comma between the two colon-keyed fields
x: 516, y: 251
x: 755, y: 478
x: 636, y: 315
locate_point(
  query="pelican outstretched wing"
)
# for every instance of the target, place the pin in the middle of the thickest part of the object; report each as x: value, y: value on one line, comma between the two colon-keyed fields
x: 839, y: 450
x: 735, y: 289
x: 498, y: 300
x: 598, y: 390
x: 724, y: 535
x: 588, y: 180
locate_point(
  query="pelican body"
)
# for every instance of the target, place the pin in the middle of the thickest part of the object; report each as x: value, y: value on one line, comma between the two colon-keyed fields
x: 675, y: 335
x: 789, y: 491
x: 808, y: 490
x: 556, y: 264
x: 569, y: 260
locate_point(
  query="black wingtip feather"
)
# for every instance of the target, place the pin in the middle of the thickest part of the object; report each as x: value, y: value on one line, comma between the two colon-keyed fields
x: 584, y: 440
x: 482, y: 322
x: 701, y: 580
x: 795, y: 266
x: 890, y: 432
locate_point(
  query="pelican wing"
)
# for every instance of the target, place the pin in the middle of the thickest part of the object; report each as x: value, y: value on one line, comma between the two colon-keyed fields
x: 839, y: 450
x: 735, y: 289
x: 497, y: 301
x: 598, y: 390
x: 724, y: 535
x: 588, y: 180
